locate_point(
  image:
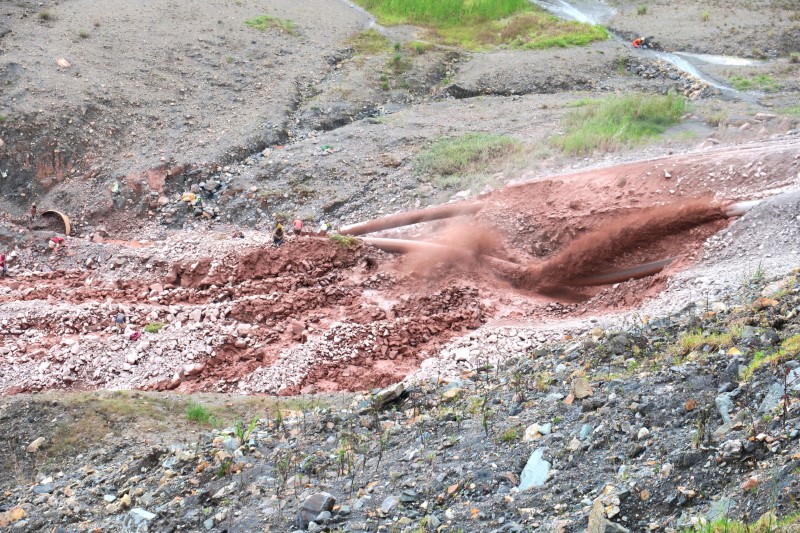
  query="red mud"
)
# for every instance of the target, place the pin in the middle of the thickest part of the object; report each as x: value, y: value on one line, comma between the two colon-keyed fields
x: 558, y: 229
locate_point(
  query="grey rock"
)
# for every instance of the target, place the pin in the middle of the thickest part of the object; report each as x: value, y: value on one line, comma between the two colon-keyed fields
x: 725, y: 405
x: 618, y: 344
x: 793, y: 379
x: 731, y: 449
x: 324, y: 517
x: 208, y: 523
x: 685, y: 458
x: 748, y: 332
x: 720, y: 508
x: 46, y: 488
x: 535, y: 472
x: 408, y: 496
x: 772, y: 398
x: 434, y: 522
x: 140, y: 515
x: 613, y: 527
x: 389, y: 394
x: 586, y: 430
x: 313, y: 506
x: 389, y: 504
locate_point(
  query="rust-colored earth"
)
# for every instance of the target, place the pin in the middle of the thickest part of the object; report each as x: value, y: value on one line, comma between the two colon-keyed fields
x: 390, y: 312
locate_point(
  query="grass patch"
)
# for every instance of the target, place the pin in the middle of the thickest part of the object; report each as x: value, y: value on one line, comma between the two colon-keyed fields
x: 477, y: 24
x: 693, y: 340
x: 789, y: 348
x: 768, y: 523
x: 761, y: 82
x: 619, y: 120
x: 344, y: 241
x: 788, y: 111
x: 442, y: 13
x: 468, y: 154
x: 541, y: 30
x: 369, y: 42
x: 266, y: 22
x: 641, y: 10
x: 83, y: 34
x: 45, y: 15
x: 154, y: 327
x: 510, y: 435
x: 197, y: 412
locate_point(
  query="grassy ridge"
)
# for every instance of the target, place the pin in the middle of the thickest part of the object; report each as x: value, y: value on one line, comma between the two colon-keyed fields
x: 442, y: 12
x: 618, y: 120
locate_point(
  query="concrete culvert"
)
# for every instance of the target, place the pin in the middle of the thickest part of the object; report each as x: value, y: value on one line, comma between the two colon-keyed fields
x: 55, y: 216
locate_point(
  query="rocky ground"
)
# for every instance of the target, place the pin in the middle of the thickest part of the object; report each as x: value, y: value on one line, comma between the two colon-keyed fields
x: 327, y: 385
x: 659, y: 426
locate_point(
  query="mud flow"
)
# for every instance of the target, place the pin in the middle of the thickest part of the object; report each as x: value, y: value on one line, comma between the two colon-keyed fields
x: 317, y: 314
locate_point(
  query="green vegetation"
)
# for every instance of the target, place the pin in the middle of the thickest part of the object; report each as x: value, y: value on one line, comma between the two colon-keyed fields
x: 706, y: 16
x: 266, y: 22
x: 794, y: 57
x: 196, y: 412
x: 510, y: 435
x: 641, y: 10
x: 344, y: 241
x: 442, y: 13
x: 459, y: 160
x: 419, y: 47
x: 761, y: 82
x: 369, y: 42
x: 693, y: 340
x: 540, y: 30
x: 618, y: 120
x: 83, y: 34
x: 154, y: 327
x: 768, y: 523
x: 45, y: 15
x: 793, y: 110
x: 789, y: 348
x: 477, y: 24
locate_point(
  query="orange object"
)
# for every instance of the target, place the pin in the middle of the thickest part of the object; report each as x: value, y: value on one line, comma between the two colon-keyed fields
x: 637, y: 42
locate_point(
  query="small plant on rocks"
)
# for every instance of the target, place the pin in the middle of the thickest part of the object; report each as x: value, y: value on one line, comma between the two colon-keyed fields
x: 243, y: 432
x: 344, y: 241
x: 154, y: 327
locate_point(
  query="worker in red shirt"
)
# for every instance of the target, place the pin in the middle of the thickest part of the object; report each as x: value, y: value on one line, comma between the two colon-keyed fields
x: 2, y: 265
x: 638, y: 42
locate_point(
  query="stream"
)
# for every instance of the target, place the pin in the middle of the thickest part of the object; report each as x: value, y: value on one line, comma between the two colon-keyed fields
x: 598, y: 12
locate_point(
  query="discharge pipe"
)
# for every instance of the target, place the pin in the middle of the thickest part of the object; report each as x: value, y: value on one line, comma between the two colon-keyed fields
x: 412, y: 217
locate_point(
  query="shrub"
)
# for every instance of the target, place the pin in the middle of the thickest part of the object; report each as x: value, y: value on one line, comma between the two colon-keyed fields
x: 641, y: 10
x: 83, y: 34
x: 45, y: 15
